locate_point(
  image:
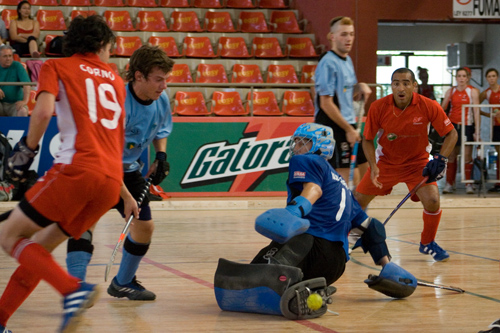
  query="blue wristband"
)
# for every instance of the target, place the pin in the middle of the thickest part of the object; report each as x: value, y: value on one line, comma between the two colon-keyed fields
x: 299, y: 206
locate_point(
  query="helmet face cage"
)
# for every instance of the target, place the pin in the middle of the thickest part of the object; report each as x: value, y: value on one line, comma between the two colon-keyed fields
x: 321, y: 137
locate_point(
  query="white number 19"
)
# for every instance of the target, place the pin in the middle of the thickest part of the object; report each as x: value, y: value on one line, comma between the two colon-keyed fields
x: 104, y: 102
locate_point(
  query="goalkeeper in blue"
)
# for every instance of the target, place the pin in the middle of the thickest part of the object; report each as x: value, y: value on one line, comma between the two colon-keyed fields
x: 309, y: 247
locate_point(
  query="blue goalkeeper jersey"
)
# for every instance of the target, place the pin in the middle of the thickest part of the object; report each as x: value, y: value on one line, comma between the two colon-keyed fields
x: 144, y: 122
x: 336, y: 212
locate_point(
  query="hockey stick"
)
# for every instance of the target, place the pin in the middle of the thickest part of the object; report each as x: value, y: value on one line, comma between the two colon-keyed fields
x: 412, y: 192
x: 440, y: 286
x: 125, y: 229
x: 5, y: 216
x: 354, y: 154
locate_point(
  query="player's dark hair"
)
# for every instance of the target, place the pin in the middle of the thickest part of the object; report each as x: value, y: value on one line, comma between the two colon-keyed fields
x: 145, y: 59
x: 404, y: 70
x: 87, y: 35
x: 491, y: 70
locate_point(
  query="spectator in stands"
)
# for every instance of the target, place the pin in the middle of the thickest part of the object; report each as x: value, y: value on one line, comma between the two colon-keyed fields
x: 336, y: 87
x: 425, y: 89
x: 25, y: 31
x: 13, y: 99
x: 3, y: 32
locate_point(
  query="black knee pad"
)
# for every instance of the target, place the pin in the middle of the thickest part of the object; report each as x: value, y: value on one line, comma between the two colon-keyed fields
x: 83, y: 244
x: 373, y: 241
x: 295, y: 250
x: 135, y: 249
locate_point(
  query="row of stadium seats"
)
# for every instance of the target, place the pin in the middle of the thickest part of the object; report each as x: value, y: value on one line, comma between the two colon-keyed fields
x: 241, y: 73
x: 230, y: 103
x: 228, y: 47
x: 180, y: 21
x: 273, y: 4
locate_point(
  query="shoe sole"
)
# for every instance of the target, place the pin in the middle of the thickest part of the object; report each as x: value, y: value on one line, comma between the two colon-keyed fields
x: 121, y: 294
x: 75, y: 320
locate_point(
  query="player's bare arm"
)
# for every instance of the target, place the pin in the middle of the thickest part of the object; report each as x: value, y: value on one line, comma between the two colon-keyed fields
x: 311, y: 192
x: 361, y: 91
x: 130, y: 204
x: 449, y: 142
x: 40, y: 118
x: 369, y: 149
x: 333, y: 112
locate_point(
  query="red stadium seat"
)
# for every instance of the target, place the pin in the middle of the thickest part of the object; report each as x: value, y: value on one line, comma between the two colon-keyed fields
x: 184, y: 21
x: 281, y: 74
x: 218, y: 22
x: 271, y: 4
x: 264, y: 104
x: 298, y: 103
x: 114, y: 67
x: 211, y: 73
x: 284, y: 22
x: 240, y: 4
x: 173, y: 3
x: 307, y: 73
x: 126, y: 45
x: 108, y: 3
x: 300, y: 47
x: 198, y: 47
x: 140, y: 3
x: 252, y: 22
x: 8, y: 15
x: 167, y: 43
x: 119, y: 20
x: 190, y: 103
x: 44, y: 3
x: 48, y: 52
x: 51, y: 19
x: 233, y: 47
x: 9, y: 2
x: 180, y: 74
x: 76, y: 3
x: 207, y: 4
x: 267, y: 47
x: 151, y: 20
x: 246, y: 74
x: 227, y: 103
x: 84, y: 13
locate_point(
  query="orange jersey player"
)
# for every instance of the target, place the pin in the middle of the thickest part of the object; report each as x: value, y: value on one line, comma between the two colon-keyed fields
x: 462, y: 94
x: 85, y: 181
x: 401, y: 121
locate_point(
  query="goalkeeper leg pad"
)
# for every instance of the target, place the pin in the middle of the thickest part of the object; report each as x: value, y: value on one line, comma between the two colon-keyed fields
x: 373, y: 240
x: 255, y: 288
x: 393, y: 281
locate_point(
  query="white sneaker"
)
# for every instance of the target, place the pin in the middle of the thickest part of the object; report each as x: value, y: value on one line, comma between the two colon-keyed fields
x: 469, y: 189
x: 448, y: 188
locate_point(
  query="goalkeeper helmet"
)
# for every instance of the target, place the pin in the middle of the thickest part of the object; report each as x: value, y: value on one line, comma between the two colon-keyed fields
x: 320, y: 136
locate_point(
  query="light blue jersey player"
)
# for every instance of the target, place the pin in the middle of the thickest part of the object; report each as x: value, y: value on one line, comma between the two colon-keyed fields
x: 309, y: 247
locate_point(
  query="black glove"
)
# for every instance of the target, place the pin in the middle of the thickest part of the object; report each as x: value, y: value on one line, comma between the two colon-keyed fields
x: 435, y: 168
x: 20, y: 160
x: 162, y: 168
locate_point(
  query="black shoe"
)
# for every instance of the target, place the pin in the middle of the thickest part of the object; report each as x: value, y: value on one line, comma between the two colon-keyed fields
x: 133, y: 291
x: 494, y: 189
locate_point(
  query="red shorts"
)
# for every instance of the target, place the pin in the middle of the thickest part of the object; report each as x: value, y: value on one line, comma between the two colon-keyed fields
x: 390, y: 176
x: 74, y: 197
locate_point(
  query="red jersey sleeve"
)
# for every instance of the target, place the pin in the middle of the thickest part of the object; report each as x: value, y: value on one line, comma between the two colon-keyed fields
x: 439, y: 119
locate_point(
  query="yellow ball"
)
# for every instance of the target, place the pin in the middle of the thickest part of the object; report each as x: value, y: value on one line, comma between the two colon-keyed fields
x: 314, y: 301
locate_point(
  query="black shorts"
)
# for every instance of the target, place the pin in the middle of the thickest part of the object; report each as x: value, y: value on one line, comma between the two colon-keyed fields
x: 496, y: 133
x: 342, y: 155
x: 325, y: 259
x: 469, y: 133
x: 135, y: 182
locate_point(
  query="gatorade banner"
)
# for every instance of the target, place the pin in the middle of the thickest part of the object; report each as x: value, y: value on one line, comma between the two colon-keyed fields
x: 244, y: 156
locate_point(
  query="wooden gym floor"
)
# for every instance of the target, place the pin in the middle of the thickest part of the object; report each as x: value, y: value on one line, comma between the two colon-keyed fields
x: 192, y: 234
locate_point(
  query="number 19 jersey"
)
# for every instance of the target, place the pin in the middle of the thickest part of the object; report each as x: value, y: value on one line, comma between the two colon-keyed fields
x: 90, y: 111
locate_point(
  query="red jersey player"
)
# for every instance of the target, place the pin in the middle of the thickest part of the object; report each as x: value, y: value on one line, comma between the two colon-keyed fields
x: 463, y: 93
x: 401, y: 121
x: 492, y: 95
x: 84, y: 182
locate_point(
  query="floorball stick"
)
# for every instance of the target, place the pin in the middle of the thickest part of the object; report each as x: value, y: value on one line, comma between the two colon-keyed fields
x: 125, y: 229
x: 439, y: 286
x: 354, y: 153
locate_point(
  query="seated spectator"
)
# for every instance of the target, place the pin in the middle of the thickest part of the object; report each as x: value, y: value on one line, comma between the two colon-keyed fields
x: 13, y: 99
x: 24, y: 31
